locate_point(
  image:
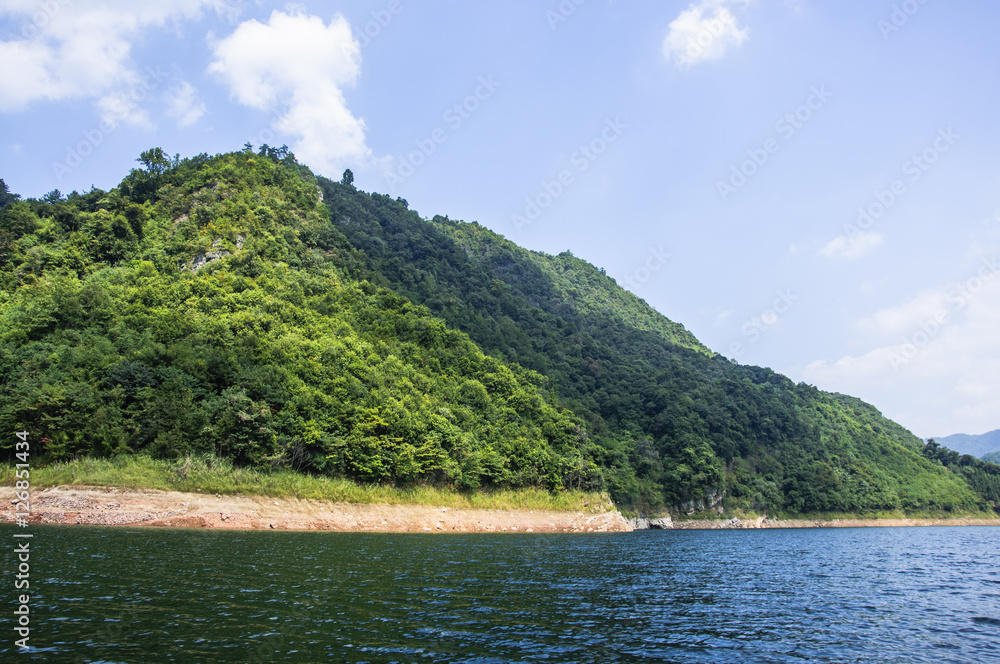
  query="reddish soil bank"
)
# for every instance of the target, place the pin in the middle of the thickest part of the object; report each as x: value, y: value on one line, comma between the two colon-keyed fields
x: 112, y: 506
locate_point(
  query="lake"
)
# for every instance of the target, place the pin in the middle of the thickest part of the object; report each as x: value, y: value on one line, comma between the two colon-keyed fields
x: 200, y: 596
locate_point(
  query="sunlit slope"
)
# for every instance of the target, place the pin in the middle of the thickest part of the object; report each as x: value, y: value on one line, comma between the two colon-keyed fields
x: 239, y: 306
x: 670, y: 422
x: 209, y: 307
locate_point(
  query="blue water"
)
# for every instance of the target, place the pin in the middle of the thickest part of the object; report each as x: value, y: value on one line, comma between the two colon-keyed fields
x: 830, y: 595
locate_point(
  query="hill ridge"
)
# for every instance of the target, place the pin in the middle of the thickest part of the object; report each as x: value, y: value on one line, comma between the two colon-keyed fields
x: 674, y: 423
x: 977, y: 445
x: 337, y: 332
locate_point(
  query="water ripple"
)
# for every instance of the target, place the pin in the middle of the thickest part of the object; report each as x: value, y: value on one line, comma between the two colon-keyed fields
x: 838, y: 595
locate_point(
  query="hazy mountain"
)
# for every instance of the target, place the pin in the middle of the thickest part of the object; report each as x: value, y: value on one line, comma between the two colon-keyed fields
x: 977, y: 446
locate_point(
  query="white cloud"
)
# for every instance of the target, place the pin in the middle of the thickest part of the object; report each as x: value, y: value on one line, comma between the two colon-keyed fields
x: 120, y: 107
x: 852, y: 247
x: 183, y: 104
x: 848, y: 370
x: 723, y: 316
x: 906, y: 316
x: 81, y: 50
x: 299, y: 66
x: 704, y: 31
x: 933, y: 361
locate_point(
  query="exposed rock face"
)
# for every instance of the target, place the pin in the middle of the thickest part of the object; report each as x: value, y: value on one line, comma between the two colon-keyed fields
x: 652, y: 523
x: 202, y: 260
x: 709, y: 502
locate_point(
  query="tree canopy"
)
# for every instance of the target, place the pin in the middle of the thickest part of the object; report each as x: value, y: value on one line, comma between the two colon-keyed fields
x: 240, y: 306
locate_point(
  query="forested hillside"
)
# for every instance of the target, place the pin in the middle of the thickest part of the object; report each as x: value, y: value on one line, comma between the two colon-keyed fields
x: 238, y: 305
x: 671, y: 422
x: 983, y: 475
x: 206, y: 306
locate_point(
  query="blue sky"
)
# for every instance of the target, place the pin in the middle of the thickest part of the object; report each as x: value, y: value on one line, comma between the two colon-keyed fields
x: 813, y: 187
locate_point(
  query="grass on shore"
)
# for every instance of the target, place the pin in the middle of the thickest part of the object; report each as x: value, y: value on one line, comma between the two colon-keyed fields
x: 208, y: 474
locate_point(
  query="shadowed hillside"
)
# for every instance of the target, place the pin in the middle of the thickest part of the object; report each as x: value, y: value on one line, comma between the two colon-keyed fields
x: 238, y: 306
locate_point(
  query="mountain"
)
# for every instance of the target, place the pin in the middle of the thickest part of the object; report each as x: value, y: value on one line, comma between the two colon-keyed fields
x: 977, y: 446
x: 209, y: 308
x: 671, y: 422
x: 240, y: 306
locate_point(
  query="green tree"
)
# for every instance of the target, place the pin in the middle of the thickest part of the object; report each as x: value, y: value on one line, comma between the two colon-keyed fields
x: 155, y: 161
x: 6, y: 196
x: 53, y: 196
x: 142, y: 184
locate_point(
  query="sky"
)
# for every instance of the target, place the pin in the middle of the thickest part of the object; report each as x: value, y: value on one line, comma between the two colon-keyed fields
x: 808, y: 186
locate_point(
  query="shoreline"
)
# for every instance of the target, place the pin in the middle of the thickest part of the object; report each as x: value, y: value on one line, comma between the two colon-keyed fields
x: 762, y: 523
x: 111, y: 506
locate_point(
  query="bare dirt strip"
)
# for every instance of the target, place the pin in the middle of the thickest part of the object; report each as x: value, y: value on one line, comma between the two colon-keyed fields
x: 109, y: 506
x: 113, y: 506
x: 762, y: 522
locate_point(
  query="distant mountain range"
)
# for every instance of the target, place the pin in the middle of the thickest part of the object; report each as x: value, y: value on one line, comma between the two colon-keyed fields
x: 978, y: 446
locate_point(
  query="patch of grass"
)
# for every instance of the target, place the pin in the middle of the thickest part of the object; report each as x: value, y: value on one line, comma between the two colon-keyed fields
x: 210, y: 474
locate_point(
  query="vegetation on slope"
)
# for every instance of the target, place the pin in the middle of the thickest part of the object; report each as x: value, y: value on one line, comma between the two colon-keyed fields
x: 211, y: 474
x: 671, y: 423
x: 268, y: 354
x: 237, y: 306
x: 982, y: 475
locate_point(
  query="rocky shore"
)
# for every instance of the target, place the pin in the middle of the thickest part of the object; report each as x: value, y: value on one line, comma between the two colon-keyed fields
x: 651, y: 523
x: 108, y: 506
x: 764, y: 522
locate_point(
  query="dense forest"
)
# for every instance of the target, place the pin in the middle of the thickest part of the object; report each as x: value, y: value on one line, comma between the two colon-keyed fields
x: 238, y: 305
x: 981, y: 474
